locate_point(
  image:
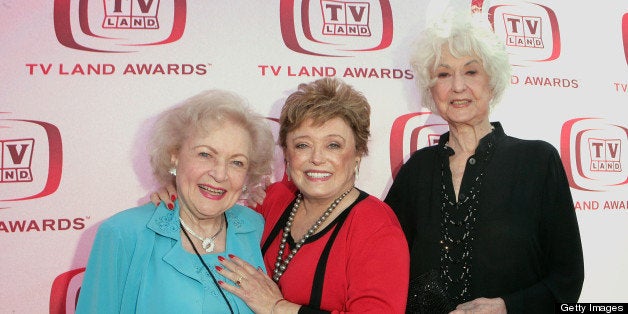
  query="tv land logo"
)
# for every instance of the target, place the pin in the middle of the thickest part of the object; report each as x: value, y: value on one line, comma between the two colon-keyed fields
x: 336, y: 28
x: 30, y: 159
x: 65, y: 291
x: 412, y: 132
x: 131, y: 14
x: 118, y: 25
x: 591, y: 150
x: 346, y: 18
x: 523, y: 31
x: 529, y: 30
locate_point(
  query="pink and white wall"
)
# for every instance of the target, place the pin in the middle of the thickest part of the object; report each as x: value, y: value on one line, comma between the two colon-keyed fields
x: 81, y: 81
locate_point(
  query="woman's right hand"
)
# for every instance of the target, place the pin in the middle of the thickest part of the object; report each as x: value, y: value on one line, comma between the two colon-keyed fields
x: 253, y: 286
x: 167, y: 194
x: 258, y: 193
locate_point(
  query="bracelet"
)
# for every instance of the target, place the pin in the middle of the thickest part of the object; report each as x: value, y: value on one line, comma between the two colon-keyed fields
x: 272, y: 310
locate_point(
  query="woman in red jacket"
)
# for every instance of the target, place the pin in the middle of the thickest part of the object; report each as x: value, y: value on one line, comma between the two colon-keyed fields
x: 327, y: 245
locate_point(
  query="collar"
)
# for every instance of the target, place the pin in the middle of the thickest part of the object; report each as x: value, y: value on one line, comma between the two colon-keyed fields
x: 484, y: 146
x: 166, y: 222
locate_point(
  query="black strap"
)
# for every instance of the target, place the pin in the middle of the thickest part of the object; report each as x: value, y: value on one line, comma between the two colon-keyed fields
x: 277, y: 228
x: 319, y: 276
x: 207, y: 268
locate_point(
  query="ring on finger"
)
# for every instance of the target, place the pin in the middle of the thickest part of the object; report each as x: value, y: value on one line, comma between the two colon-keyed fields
x: 239, y: 280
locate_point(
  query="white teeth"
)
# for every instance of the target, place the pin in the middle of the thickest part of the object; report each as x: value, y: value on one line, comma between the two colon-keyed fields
x: 219, y: 192
x: 317, y: 175
x: 459, y: 102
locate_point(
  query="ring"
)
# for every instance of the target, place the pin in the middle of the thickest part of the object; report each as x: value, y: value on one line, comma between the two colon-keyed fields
x: 239, y: 280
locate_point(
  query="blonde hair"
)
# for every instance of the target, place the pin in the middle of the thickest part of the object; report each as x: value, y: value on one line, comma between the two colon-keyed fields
x: 325, y: 99
x: 201, y: 113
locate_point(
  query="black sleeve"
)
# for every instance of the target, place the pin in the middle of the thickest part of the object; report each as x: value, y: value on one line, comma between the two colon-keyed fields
x: 562, y: 246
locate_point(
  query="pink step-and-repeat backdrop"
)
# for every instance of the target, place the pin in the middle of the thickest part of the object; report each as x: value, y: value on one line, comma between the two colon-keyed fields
x: 81, y: 81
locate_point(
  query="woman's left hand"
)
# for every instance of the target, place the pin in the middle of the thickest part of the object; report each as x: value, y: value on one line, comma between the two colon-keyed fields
x: 482, y: 305
x: 253, y: 286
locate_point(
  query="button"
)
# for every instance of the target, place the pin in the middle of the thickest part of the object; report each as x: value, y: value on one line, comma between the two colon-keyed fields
x: 472, y: 161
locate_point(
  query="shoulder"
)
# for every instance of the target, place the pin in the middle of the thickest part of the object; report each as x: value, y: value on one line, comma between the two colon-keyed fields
x: 280, y: 188
x: 374, y: 213
x: 424, y: 153
x: 126, y: 226
x: 525, y: 147
x: 131, y: 219
x: 246, y: 215
x: 278, y: 193
x: 420, y: 164
x: 371, y: 219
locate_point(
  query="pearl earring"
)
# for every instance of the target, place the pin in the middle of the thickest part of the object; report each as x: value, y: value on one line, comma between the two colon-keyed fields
x: 173, y: 171
x: 244, y: 188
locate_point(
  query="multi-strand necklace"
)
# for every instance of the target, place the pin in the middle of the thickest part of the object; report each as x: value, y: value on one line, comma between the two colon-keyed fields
x: 208, y: 243
x: 282, y: 264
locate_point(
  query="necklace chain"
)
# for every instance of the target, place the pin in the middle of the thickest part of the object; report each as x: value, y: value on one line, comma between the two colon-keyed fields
x: 282, y: 264
x: 208, y: 243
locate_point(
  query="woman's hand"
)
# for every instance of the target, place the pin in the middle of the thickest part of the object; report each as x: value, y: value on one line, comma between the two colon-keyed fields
x: 167, y: 194
x: 258, y: 193
x: 482, y: 305
x: 253, y: 286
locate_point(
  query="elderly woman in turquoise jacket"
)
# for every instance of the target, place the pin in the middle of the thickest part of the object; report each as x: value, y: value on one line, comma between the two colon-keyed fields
x: 166, y: 260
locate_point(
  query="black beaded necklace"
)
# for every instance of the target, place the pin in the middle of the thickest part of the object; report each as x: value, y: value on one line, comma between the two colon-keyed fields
x: 458, y: 218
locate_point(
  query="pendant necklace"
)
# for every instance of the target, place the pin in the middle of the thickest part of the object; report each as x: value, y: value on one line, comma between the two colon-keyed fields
x: 208, y: 243
x: 282, y: 264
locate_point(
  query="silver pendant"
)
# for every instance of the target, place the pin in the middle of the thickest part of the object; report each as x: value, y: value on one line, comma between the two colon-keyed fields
x: 208, y: 245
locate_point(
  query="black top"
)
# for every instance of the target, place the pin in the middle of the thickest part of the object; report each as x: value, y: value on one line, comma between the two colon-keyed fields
x: 526, y: 247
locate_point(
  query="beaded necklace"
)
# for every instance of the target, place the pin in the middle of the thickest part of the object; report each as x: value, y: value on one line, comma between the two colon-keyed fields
x: 457, y: 232
x: 282, y: 264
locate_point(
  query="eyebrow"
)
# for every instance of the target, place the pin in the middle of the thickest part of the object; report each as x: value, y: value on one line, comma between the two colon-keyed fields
x: 214, y: 151
x: 327, y: 136
x: 466, y: 64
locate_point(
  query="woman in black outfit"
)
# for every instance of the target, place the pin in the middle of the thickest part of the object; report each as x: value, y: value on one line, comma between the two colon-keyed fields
x: 489, y: 218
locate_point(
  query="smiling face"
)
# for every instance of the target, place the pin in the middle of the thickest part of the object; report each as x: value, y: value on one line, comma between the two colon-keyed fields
x: 462, y: 92
x: 211, y: 169
x: 322, y: 159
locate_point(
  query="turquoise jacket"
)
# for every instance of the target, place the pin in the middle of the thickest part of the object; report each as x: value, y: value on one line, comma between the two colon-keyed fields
x: 138, y: 264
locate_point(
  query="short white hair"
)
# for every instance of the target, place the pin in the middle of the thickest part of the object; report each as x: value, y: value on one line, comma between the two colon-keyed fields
x: 465, y: 34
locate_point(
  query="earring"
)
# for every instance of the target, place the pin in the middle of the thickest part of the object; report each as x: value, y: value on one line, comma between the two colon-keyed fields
x: 244, y: 188
x: 288, y: 171
x: 357, y: 171
x: 173, y: 171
